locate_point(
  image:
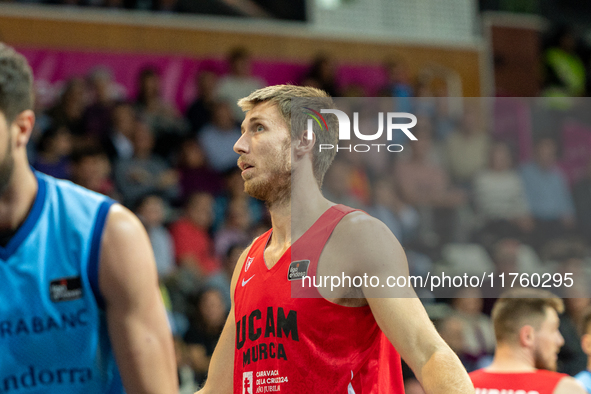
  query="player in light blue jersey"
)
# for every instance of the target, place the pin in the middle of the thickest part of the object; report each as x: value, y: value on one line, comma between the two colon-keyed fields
x: 80, y: 308
x: 584, y: 377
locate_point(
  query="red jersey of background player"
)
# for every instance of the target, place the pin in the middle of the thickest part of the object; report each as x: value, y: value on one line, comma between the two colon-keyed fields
x: 305, y: 345
x: 538, y: 382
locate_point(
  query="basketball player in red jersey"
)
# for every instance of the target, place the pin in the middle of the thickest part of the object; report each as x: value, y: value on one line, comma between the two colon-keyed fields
x: 334, y: 343
x: 526, y: 327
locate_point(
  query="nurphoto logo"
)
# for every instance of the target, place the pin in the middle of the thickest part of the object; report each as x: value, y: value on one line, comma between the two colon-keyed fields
x: 345, y: 129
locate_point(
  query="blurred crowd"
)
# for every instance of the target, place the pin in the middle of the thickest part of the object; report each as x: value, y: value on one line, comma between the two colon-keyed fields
x: 457, y: 198
x: 276, y: 9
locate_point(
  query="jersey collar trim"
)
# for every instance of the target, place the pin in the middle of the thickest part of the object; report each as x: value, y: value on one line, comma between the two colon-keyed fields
x: 27, y: 226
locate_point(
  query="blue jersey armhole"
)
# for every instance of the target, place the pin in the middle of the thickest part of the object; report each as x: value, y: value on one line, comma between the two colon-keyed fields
x: 95, y: 247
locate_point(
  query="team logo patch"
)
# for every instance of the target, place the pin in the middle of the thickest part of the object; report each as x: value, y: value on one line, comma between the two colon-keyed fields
x: 298, y: 269
x: 247, y: 383
x: 65, y: 289
x: 248, y: 263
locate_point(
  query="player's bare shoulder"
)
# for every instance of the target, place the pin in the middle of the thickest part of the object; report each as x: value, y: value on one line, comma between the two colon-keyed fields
x: 569, y: 385
x: 361, y: 225
x: 121, y: 220
x: 361, y: 246
x: 361, y: 238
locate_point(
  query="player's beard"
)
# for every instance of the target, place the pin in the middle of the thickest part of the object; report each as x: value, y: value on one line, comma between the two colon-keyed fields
x: 276, y: 187
x: 6, y: 167
x: 541, y: 363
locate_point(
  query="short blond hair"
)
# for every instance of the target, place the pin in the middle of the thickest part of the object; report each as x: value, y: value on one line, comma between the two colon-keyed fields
x: 292, y: 102
x: 520, y: 307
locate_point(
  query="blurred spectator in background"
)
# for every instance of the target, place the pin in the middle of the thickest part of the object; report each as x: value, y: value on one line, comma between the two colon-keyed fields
x: 145, y: 173
x: 166, y: 122
x: 239, y: 83
x: 565, y: 70
x: 359, y: 175
x: 322, y: 75
x: 478, y: 334
x: 452, y: 330
x: 427, y: 187
x: 505, y: 256
x: 582, y: 200
x: 398, y: 83
x: 151, y: 211
x: 187, y: 377
x: 199, y: 112
x: 228, y: 265
x: 91, y: 169
x: 337, y: 184
x: 509, y: 256
x: 444, y: 120
x: 499, y: 198
x: 54, y: 149
x: 193, y: 245
x: 235, y: 228
x: 206, y: 323
x: 70, y: 108
x: 398, y: 77
x: 218, y: 138
x: 466, y: 150
x: 149, y: 98
x: 435, y: 153
x: 118, y: 143
x: 103, y: 96
x: 571, y: 358
x: 401, y: 218
x: 194, y: 171
x: 234, y: 190
x: 547, y: 194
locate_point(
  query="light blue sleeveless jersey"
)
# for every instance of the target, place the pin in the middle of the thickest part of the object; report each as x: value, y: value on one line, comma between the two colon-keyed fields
x: 53, y: 333
x: 584, y: 378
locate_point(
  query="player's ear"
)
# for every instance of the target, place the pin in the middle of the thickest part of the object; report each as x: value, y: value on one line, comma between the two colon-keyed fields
x: 24, y: 123
x: 586, y: 344
x: 304, y: 144
x: 527, y: 336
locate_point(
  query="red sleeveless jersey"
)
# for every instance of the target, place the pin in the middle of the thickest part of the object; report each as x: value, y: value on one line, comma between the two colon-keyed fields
x: 538, y: 382
x: 305, y: 345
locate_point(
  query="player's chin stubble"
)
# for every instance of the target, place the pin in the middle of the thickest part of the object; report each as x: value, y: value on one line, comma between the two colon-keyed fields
x: 277, y: 187
x: 274, y: 190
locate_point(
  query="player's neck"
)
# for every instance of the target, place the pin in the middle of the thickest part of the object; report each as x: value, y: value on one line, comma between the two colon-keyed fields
x: 512, y: 359
x: 296, y: 215
x: 307, y: 205
x: 17, y: 199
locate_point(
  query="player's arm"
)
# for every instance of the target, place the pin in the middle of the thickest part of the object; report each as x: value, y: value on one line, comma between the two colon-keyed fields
x: 220, y: 377
x: 136, y: 317
x: 569, y: 385
x: 398, y: 312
